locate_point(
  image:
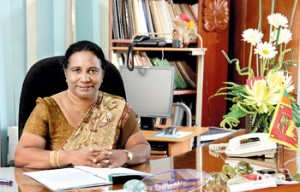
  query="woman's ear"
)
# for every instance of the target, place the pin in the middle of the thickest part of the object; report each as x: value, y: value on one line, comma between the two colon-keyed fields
x: 66, y: 75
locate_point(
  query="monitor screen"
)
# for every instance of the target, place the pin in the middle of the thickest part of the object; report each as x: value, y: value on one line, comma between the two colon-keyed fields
x: 149, y: 91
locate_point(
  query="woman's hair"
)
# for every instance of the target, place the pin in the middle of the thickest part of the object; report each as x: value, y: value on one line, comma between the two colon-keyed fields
x: 84, y: 46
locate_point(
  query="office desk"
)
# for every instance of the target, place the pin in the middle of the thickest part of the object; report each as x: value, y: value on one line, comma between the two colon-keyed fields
x: 175, y: 146
x: 199, y: 159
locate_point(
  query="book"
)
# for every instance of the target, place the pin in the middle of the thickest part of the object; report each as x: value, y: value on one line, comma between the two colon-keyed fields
x: 115, y: 25
x: 179, y: 80
x: 83, y: 176
x: 139, y: 17
x: 156, y: 18
x: 187, y: 73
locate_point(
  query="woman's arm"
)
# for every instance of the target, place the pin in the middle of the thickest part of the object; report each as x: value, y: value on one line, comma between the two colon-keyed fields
x: 30, y: 152
x: 137, y: 145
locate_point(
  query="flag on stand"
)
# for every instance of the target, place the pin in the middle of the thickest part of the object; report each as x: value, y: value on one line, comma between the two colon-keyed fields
x: 282, y: 128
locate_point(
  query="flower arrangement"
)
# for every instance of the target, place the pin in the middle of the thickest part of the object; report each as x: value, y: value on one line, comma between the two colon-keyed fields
x: 261, y: 92
x: 184, y: 22
x: 183, y: 26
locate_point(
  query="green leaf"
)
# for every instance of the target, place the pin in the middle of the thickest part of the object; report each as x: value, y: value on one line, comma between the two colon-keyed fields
x: 231, y: 119
x: 296, y: 113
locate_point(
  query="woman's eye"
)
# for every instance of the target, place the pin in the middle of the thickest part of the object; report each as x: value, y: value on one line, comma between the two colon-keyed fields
x: 93, y: 71
x: 76, y: 70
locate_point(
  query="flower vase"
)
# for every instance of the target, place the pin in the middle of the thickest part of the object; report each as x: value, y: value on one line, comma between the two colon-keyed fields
x: 186, y: 39
x: 257, y: 123
x: 248, y: 123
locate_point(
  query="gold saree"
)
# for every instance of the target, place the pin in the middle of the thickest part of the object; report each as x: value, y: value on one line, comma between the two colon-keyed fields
x: 98, y: 128
x: 107, y: 124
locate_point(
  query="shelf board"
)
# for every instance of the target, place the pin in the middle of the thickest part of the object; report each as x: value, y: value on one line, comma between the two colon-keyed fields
x: 129, y: 41
x: 194, y: 50
x: 184, y: 92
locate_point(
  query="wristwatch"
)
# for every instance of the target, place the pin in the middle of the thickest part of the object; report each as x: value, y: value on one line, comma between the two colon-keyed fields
x: 129, y: 155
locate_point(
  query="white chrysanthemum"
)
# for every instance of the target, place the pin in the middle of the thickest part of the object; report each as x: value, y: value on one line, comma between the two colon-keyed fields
x: 265, y: 50
x: 277, y: 19
x: 252, y: 36
x: 260, y: 97
x: 288, y: 83
x: 275, y: 81
x: 285, y: 36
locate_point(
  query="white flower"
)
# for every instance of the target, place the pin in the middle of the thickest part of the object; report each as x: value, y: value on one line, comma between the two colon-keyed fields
x: 274, y: 80
x: 260, y: 97
x: 277, y: 79
x: 277, y: 19
x: 252, y: 36
x: 265, y: 50
x: 288, y: 83
x: 285, y: 36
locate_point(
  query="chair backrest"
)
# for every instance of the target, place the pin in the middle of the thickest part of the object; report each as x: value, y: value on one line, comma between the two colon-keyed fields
x: 46, y: 78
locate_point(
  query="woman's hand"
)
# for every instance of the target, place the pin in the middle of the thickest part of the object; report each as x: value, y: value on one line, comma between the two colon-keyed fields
x: 90, y: 157
x: 118, y: 158
x: 98, y: 158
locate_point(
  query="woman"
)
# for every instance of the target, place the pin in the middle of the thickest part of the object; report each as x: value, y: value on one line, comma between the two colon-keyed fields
x: 82, y: 125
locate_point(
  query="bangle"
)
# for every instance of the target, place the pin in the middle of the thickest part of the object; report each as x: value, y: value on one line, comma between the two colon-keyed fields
x: 54, y: 159
x: 51, y: 159
x: 57, y: 158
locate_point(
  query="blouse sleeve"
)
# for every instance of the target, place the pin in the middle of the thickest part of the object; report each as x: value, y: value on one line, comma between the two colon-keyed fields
x: 37, y: 121
x: 129, y: 125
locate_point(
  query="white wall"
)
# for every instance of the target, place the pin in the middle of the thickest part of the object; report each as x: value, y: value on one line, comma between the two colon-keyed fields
x: 104, y: 29
x: 0, y: 149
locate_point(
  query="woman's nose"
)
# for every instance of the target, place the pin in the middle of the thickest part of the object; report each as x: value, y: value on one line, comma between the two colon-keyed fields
x: 85, y: 77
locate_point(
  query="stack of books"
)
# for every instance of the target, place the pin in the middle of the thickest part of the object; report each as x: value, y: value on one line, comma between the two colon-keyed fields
x: 148, y: 16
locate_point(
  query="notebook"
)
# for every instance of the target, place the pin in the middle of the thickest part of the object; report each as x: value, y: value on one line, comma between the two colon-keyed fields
x: 83, y: 176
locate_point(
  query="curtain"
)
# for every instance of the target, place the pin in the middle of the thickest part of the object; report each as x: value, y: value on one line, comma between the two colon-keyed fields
x: 32, y: 30
x: 12, y: 64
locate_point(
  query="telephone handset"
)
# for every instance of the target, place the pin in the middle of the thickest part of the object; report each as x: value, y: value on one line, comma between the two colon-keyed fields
x: 252, y: 144
x: 140, y: 38
x: 143, y: 41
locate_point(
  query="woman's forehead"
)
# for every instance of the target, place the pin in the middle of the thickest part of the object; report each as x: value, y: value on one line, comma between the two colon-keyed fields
x: 84, y: 58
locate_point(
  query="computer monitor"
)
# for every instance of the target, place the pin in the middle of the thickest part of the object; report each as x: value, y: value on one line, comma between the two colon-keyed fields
x: 149, y: 91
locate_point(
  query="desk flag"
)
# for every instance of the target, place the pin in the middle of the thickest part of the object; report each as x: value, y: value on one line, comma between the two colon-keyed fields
x: 282, y: 128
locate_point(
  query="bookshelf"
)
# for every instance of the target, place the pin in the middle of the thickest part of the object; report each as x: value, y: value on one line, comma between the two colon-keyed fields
x: 195, y: 51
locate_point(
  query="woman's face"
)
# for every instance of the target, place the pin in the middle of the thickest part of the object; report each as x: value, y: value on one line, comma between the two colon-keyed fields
x: 84, y: 74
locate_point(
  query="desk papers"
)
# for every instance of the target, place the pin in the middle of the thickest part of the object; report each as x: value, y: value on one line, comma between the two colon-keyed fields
x: 179, y: 134
x: 82, y: 176
x: 215, y: 133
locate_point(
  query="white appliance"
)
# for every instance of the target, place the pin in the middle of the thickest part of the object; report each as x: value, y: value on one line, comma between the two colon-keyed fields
x: 12, y: 137
x: 0, y: 149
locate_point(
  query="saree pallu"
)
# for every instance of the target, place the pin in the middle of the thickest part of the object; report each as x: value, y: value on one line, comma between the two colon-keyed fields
x: 99, y: 127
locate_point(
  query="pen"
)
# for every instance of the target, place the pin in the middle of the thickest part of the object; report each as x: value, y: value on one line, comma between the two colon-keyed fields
x: 6, y: 182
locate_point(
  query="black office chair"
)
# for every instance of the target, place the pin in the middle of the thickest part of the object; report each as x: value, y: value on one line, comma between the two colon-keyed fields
x: 46, y: 78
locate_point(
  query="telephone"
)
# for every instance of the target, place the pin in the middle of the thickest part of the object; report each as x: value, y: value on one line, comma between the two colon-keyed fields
x: 142, y: 41
x: 147, y: 41
x: 252, y: 144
